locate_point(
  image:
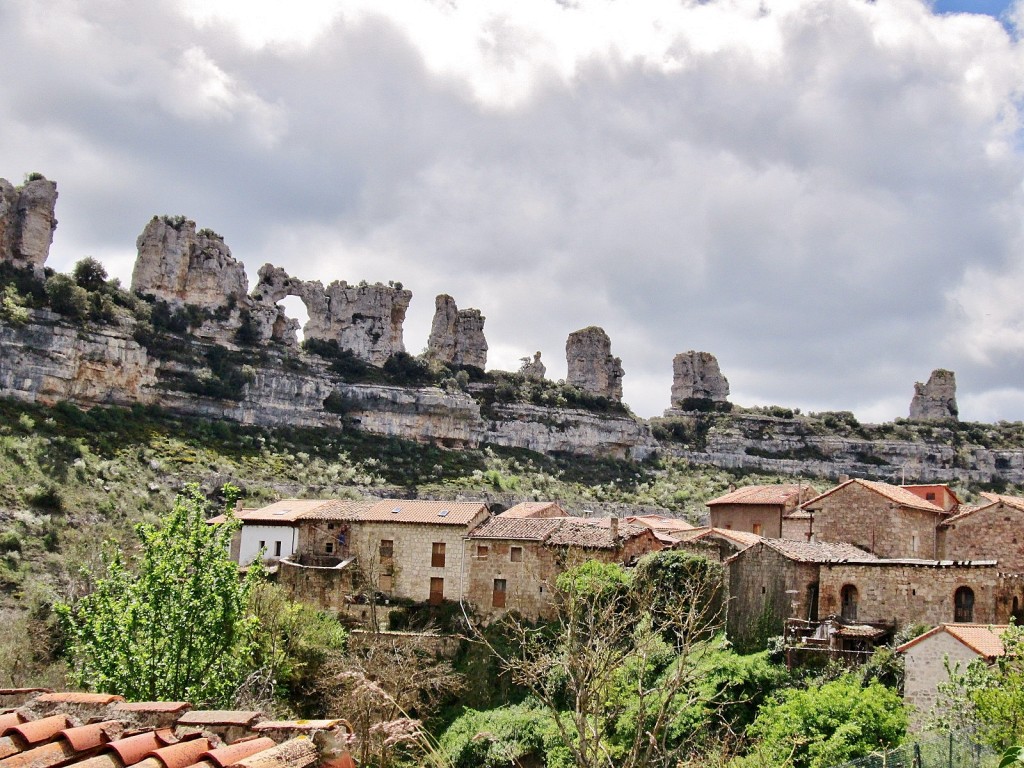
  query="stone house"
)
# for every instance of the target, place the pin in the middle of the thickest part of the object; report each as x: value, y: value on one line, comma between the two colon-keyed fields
x: 905, y: 591
x: 715, y: 543
x: 927, y: 655
x: 994, y: 529
x: 667, y: 529
x: 757, y: 508
x: 887, y: 520
x: 535, y: 509
x: 774, y: 580
x: 514, y: 561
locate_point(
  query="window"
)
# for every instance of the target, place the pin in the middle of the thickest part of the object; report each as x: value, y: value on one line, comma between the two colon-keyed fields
x: 277, y: 549
x: 498, y: 596
x: 263, y: 545
x: 482, y: 550
x: 436, y: 591
x: 757, y: 529
x: 385, y: 582
x: 516, y: 554
x: 914, y: 543
x: 329, y: 547
x: 963, y: 604
x: 437, y: 555
x: 929, y: 496
x: 387, y: 549
x: 848, y: 597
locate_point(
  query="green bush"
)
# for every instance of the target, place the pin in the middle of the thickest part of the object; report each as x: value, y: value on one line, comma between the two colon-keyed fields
x: 10, y: 542
x: 67, y: 297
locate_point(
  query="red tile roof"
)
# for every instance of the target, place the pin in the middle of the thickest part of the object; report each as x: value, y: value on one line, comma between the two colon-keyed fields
x: 760, y: 494
x: 75, y: 697
x: 894, y: 493
x: 132, y: 749
x: 534, y: 509
x: 421, y: 511
x: 516, y: 528
x: 661, y: 522
x: 819, y: 551
x: 742, y: 539
x: 182, y: 754
x: 227, y: 756
x: 219, y: 717
x: 983, y: 639
x: 292, y: 511
x: 36, y: 731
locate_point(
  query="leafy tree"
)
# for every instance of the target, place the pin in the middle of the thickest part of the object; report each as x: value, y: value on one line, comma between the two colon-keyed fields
x: 178, y: 627
x: 90, y: 274
x: 67, y: 297
x: 824, y: 726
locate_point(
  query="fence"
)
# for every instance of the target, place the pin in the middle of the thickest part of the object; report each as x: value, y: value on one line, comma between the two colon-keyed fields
x: 935, y: 751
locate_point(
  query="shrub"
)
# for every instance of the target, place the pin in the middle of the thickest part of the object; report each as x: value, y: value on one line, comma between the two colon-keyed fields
x: 9, y: 542
x: 89, y: 274
x: 67, y: 297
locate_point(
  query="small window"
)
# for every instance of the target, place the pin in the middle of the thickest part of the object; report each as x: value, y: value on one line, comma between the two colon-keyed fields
x: 329, y: 547
x: 930, y: 496
x: 914, y: 542
x: 482, y: 551
x: 385, y: 582
x: 963, y: 605
x: 277, y: 549
x: 387, y: 549
x: 436, y: 591
x: 437, y: 555
x: 757, y: 529
x: 330, y: 526
x: 263, y: 545
x: 498, y: 596
x: 516, y: 554
x: 728, y: 526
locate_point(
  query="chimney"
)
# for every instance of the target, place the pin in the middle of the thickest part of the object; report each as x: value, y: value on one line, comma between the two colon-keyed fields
x: 613, y: 524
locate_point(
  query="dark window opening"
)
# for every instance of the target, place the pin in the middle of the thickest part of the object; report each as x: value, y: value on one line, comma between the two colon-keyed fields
x: 329, y: 547
x: 437, y: 555
x: 498, y: 595
x: 963, y: 604
x: 277, y: 549
x: 848, y: 598
x: 387, y: 549
x: 516, y: 554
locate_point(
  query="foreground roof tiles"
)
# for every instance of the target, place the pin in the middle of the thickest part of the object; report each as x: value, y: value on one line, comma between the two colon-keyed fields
x: 983, y: 639
x: 87, y: 731
x: 819, y: 551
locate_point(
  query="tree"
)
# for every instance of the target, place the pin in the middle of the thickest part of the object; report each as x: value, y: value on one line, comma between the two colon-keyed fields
x: 622, y: 664
x: 178, y: 627
x: 90, y: 274
x: 823, y: 726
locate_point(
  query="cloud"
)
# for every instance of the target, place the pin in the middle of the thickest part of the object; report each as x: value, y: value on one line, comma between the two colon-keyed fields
x: 824, y: 193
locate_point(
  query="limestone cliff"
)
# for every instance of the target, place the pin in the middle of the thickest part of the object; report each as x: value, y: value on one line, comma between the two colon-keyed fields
x: 27, y: 222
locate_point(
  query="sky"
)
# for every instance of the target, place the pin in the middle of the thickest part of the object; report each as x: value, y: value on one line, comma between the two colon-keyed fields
x: 825, y: 194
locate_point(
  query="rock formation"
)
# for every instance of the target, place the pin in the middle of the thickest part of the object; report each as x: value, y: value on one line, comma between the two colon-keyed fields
x: 180, y: 266
x: 697, y: 375
x: 364, y: 319
x: 592, y: 368
x: 27, y: 222
x: 457, y: 335
x: 533, y: 369
x: 936, y: 400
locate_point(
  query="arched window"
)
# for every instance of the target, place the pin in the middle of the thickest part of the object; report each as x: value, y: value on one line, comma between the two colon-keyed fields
x: 848, y: 597
x: 963, y: 604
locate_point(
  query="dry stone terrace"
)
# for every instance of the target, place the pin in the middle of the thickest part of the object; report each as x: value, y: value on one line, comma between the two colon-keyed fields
x: 46, y: 729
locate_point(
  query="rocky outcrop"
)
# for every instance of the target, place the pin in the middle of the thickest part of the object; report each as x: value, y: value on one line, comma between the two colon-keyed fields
x: 592, y: 368
x: 457, y: 335
x: 936, y: 400
x: 533, y: 369
x: 696, y: 375
x: 27, y: 222
x: 363, y: 319
x: 178, y: 265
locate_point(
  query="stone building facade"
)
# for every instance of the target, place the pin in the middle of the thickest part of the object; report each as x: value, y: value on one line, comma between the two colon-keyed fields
x: 887, y: 520
x: 926, y: 658
x: 993, y: 530
x: 758, y: 508
x: 905, y: 592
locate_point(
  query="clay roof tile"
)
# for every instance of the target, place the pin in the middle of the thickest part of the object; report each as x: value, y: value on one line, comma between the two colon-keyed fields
x: 182, y: 754
x: 77, y: 697
x: 229, y: 755
x: 219, y: 717
x: 91, y: 736
x: 168, y: 707
x: 36, y: 731
x: 132, y: 749
x: 10, y: 718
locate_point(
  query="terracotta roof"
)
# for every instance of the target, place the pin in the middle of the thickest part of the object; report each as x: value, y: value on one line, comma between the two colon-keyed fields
x: 818, y: 551
x: 894, y: 493
x: 966, y: 512
x: 86, y: 732
x: 984, y: 639
x: 661, y: 523
x: 1011, y: 501
x: 742, y: 539
x: 759, y: 494
x: 534, y: 509
x: 593, y: 533
x: 421, y: 511
x: 516, y: 528
x: 287, y: 510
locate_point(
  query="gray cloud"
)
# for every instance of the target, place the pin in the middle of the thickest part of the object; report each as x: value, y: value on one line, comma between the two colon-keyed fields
x: 827, y: 196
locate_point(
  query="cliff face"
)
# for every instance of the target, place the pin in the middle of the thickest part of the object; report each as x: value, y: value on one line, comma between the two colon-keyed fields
x: 48, y: 360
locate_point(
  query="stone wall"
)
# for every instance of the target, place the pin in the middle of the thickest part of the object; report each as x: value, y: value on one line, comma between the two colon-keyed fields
x: 765, y: 589
x: 991, y: 533
x: 910, y: 594
x: 745, y: 517
x: 866, y: 519
x: 926, y: 669
x: 324, y: 588
x: 529, y: 583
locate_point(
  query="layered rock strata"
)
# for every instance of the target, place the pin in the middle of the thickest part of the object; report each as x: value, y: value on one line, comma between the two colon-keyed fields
x: 936, y: 400
x: 457, y: 335
x: 591, y: 365
x: 27, y: 222
x: 696, y: 375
